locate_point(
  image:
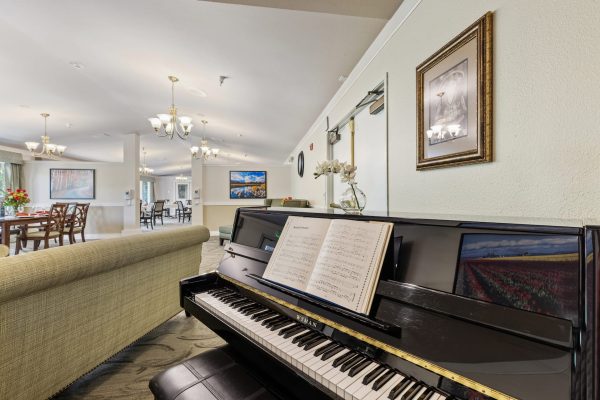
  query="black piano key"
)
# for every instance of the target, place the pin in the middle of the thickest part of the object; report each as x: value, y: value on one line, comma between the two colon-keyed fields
x: 359, y: 367
x: 291, y: 333
x: 373, y: 374
x: 307, y: 339
x: 238, y: 304
x: 343, y: 358
x: 218, y: 291
x: 266, y: 315
x: 399, y: 388
x: 325, y: 348
x: 330, y: 353
x: 383, y: 379
x: 291, y: 330
x: 315, y: 343
x: 243, y: 309
x: 302, y: 336
x: 280, y: 324
x: 412, y: 391
x: 228, y: 296
x: 424, y: 395
x: 255, y: 310
x: 231, y: 299
x: 351, y: 363
x: 223, y: 293
x: 268, y: 321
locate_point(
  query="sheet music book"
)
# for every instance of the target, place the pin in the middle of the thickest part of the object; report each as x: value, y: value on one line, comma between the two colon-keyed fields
x: 337, y: 260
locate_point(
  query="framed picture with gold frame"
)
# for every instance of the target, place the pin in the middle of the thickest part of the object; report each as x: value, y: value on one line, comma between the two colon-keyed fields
x: 454, y: 100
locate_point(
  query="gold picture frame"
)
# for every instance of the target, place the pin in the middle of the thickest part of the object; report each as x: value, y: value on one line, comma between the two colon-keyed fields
x: 454, y: 100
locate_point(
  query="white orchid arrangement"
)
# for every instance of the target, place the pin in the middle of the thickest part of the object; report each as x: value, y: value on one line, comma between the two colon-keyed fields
x: 346, y: 170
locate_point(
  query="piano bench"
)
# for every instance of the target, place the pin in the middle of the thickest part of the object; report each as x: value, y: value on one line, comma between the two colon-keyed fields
x: 212, y: 375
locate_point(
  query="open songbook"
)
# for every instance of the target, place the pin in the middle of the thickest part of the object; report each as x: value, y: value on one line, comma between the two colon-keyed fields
x: 335, y: 259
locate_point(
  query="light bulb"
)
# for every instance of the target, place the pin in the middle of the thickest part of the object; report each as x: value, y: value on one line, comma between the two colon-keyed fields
x: 194, y: 150
x: 164, y: 118
x: 51, y: 147
x: 216, y: 151
x: 155, y: 122
x: 61, y: 149
x: 31, y: 146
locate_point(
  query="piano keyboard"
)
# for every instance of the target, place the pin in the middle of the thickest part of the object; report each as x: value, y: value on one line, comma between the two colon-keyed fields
x: 345, y: 372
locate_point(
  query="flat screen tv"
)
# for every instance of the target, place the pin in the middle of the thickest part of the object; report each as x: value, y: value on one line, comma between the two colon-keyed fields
x: 247, y: 184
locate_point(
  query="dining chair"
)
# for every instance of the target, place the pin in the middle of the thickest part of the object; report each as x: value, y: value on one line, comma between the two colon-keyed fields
x: 145, y: 216
x: 157, y: 211
x: 75, y: 223
x: 183, y: 212
x: 50, y: 229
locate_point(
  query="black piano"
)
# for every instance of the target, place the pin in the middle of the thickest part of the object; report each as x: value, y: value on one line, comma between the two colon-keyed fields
x: 463, y: 310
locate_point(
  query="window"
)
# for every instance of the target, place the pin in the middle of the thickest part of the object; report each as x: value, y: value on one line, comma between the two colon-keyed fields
x: 147, y: 192
x: 2, y: 178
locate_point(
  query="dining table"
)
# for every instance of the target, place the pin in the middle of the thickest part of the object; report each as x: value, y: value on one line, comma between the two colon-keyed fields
x: 8, y: 221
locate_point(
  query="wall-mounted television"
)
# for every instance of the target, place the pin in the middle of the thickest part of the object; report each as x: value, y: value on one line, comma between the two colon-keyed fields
x: 247, y: 184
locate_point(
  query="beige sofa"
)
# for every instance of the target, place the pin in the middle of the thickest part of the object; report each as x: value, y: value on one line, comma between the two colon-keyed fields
x: 297, y: 203
x: 65, y: 310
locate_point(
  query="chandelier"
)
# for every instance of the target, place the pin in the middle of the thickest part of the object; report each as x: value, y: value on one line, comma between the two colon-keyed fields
x: 167, y: 125
x: 204, y: 151
x: 49, y: 150
x: 144, y: 170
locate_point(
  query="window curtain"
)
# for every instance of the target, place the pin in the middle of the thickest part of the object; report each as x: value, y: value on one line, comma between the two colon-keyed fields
x: 151, y: 191
x: 13, y: 174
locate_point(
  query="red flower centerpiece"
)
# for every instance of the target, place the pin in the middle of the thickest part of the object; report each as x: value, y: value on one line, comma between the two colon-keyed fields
x: 16, y: 198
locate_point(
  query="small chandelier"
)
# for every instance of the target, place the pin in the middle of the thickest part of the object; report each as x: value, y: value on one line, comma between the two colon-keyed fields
x: 204, y: 151
x: 144, y: 170
x: 167, y: 125
x: 49, y: 150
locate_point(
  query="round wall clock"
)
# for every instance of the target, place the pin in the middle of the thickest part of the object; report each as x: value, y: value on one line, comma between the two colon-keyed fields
x: 301, y: 164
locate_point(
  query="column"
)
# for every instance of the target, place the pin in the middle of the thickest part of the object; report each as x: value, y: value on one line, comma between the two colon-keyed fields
x: 131, y: 191
x: 197, y: 192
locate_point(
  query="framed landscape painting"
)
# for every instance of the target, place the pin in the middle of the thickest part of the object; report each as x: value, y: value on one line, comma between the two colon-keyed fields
x: 72, y: 184
x: 247, y: 184
x: 454, y: 100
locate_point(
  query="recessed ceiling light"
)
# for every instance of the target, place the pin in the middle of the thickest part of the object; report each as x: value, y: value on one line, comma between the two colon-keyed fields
x: 76, y: 64
x: 197, y: 92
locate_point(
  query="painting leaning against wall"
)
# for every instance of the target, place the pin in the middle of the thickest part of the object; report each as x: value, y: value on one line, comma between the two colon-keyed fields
x: 75, y: 184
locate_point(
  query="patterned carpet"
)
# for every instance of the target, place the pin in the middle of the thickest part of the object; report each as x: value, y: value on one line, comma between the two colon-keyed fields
x: 126, y: 375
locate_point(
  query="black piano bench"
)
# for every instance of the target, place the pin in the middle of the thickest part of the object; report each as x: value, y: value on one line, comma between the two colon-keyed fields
x: 212, y: 375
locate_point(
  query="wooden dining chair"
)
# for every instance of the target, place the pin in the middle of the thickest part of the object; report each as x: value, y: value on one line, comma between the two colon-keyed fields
x: 75, y: 223
x: 50, y: 229
x: 145, y: 216
x: 183, y: 212
x: 157, y: 211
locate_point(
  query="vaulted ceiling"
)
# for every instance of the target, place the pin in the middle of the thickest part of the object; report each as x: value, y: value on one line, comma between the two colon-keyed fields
x: 100, y: 69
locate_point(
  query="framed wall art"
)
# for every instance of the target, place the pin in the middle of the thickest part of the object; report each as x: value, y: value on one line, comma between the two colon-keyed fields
x: 454, y: 100
x: 247, y: 184
x: 72, y: 184
x: 182, y: 191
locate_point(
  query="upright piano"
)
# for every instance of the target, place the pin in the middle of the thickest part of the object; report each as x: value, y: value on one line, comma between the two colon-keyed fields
x: 463, y: 310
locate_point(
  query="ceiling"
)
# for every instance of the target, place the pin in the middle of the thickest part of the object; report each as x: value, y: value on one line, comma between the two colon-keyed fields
x: 102, y: 66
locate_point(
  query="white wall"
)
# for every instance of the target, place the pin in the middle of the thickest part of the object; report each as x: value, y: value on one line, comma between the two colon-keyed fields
x: 216, y: 184
x: 106, y: 210
x: 546, y: 90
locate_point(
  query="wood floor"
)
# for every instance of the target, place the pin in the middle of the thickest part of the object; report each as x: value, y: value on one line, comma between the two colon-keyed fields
x: 126, y: 375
